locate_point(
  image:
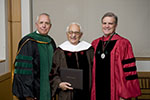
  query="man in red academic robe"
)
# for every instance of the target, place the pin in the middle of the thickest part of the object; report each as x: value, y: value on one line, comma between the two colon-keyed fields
x: 114, y: 75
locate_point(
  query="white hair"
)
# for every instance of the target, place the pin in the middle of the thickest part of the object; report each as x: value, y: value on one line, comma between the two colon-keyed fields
x: 74, y: 23
x: 37, y: 18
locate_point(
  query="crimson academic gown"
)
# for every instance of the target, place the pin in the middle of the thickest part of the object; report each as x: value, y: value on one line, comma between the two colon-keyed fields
x: 123, y: 76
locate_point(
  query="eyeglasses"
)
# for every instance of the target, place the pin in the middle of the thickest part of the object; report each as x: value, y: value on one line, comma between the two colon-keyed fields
x: 76, y: 32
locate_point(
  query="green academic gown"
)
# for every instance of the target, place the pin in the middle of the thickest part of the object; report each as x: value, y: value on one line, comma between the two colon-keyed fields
x: 32, y: 67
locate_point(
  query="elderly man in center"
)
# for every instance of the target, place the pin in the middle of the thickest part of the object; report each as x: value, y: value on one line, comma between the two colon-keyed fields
x: 72, y: 54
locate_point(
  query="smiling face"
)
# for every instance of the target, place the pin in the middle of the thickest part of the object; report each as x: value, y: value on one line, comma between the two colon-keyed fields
x: 74, y: 34
x: 108, y: 25
x: 43, y: 24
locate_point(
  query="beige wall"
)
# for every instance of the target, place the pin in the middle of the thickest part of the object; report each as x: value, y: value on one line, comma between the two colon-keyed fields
x: 133, y: 16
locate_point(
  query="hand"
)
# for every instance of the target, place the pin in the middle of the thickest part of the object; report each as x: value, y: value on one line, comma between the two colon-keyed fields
x: 65, y: 85
x: 122, y: 99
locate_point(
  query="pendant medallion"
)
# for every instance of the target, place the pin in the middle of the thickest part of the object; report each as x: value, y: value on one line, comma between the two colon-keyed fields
x: 102, y: 55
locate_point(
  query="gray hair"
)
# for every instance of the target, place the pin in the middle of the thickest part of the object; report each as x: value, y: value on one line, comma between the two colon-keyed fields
x: 110, y: 14
x: 37, y: 18
x: 74, y: 23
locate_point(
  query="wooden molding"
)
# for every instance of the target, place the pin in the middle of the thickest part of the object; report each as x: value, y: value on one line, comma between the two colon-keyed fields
x: 144, y: 74
x: 5, y: 86
x: 2, y: 61
x: 16, y: 10
x: 5, y: 76
x: 142, y: 58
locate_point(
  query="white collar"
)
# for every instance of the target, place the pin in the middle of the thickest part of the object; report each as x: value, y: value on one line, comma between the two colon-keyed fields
x: 37, y: 31
x: 75, y: 48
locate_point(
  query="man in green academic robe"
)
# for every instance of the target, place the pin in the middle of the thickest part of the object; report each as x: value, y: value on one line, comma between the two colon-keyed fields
x: 33, y: 63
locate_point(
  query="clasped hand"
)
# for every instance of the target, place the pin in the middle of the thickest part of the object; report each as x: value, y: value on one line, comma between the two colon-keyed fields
x: 65, y: 86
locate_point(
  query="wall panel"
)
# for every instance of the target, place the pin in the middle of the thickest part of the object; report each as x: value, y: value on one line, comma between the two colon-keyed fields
x: 16, y: 10
x: 133, y: 17
x: 5, y: 87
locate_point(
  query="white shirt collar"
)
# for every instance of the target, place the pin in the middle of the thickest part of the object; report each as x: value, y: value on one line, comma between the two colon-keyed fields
x: 37, y: 31
x: 83, y: 45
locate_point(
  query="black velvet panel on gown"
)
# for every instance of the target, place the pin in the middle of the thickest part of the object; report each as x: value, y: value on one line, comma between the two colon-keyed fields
x: 103, y: 71
x: 78, y: 60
